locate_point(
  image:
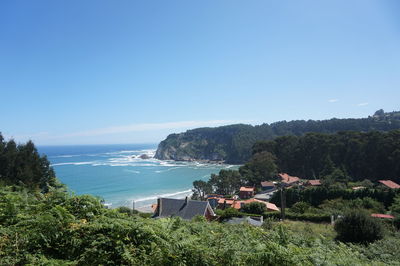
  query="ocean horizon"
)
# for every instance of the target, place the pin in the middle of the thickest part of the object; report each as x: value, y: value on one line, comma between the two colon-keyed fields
x: 117, y: 173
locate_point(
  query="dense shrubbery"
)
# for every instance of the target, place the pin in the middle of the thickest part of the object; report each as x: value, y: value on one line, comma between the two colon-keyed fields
x: 228, y: 213
x: 307, y: 217
x: 59, y: 229
x: 358, y: 227
x: 254, y: 207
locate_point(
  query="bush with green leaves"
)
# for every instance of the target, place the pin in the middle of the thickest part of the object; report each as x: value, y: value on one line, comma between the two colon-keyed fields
x: 358, y: 226
x: 228, y: 213
x: 300, y: 207
x: 395, y: 207
x: 254, y: 207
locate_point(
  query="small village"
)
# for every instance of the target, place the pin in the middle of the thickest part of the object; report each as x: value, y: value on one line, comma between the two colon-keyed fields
x: 214, y: 205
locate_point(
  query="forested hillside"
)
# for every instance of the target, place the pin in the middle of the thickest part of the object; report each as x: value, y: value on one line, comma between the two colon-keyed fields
x: 372, y: 155
x: 233, y: 144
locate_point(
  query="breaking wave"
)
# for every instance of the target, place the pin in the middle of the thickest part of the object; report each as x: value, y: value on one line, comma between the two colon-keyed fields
x: 179, y: 194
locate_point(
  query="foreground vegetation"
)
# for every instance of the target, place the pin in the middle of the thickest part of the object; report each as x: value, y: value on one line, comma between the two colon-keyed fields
x: 56, y: 228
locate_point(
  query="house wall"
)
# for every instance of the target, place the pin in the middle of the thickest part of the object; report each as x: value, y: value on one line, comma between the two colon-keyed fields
x: 208, y: 215
x: 245, y: 194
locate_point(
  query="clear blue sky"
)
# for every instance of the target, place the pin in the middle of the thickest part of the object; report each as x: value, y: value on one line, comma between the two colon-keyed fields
x: 74, y: 72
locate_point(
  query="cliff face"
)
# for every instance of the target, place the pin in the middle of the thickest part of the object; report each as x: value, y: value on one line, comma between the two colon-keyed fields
x: 186, y: 151
x: 199, y: 144
x: 233, y: 144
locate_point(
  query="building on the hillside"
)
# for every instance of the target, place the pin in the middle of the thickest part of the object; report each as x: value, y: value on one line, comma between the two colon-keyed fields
x: 225, y: 203
x: 267, y: 185
x: 238, y: 204
x: 229, y: 203
x: 266, y: 196
x: 184, y: 208
x: 246, y: 192
x: 382, y: 216
x: 213, y: 201
x: 389, y: 184
x: 315, y: 182
x: 288, y: 180
x: 269, y: 206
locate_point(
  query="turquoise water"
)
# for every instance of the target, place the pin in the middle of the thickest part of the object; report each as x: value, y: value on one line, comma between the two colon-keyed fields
x: 120, y: 177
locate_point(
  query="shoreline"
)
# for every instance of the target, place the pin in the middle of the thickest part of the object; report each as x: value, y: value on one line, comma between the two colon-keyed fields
x: 212, y: 162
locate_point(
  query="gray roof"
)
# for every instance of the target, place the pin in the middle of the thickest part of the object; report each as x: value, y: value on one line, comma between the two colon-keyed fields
x: 186, y: 209
x: 236, y: 220
x: 263, y: 196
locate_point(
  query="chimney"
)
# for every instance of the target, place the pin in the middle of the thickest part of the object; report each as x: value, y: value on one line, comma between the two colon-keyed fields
x: 158, y: 211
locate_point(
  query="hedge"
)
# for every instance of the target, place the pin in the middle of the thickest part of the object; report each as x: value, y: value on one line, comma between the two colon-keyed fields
x: 316, y: 218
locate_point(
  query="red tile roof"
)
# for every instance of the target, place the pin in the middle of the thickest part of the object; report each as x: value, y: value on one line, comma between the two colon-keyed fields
x: 213, y: 198
x: 289, y: 179
x: 270, y: 206
x: 247, y: 189
x: 227, y: 201
x: 390, y: 183
x: 233, y: 203
x: 237, y: 205
x: 267, y: 184
x: 379, y: 215
x: 315, y: 182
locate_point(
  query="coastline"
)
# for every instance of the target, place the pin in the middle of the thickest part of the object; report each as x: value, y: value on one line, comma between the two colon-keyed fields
x: 121, y: 174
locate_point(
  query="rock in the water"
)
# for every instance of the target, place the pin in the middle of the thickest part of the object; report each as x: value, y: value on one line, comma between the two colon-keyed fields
x: 144, y: 156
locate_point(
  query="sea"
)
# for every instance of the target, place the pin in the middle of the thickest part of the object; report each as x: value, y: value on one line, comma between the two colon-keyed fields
x: 118, y: 175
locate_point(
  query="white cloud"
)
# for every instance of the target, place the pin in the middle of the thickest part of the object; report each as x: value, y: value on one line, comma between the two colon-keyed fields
x: 149, y: 127
x: 333, y: 100
x: 362, y: 104
x: 118, y: 134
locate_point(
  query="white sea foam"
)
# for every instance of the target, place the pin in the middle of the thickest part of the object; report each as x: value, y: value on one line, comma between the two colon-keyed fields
x: 72, y: 163
x: 167, y: 163
x: 170, y: 169
x: 118, y: 164
x: 150, y: 152
x: 99, y: 164
x: 68, y: 156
